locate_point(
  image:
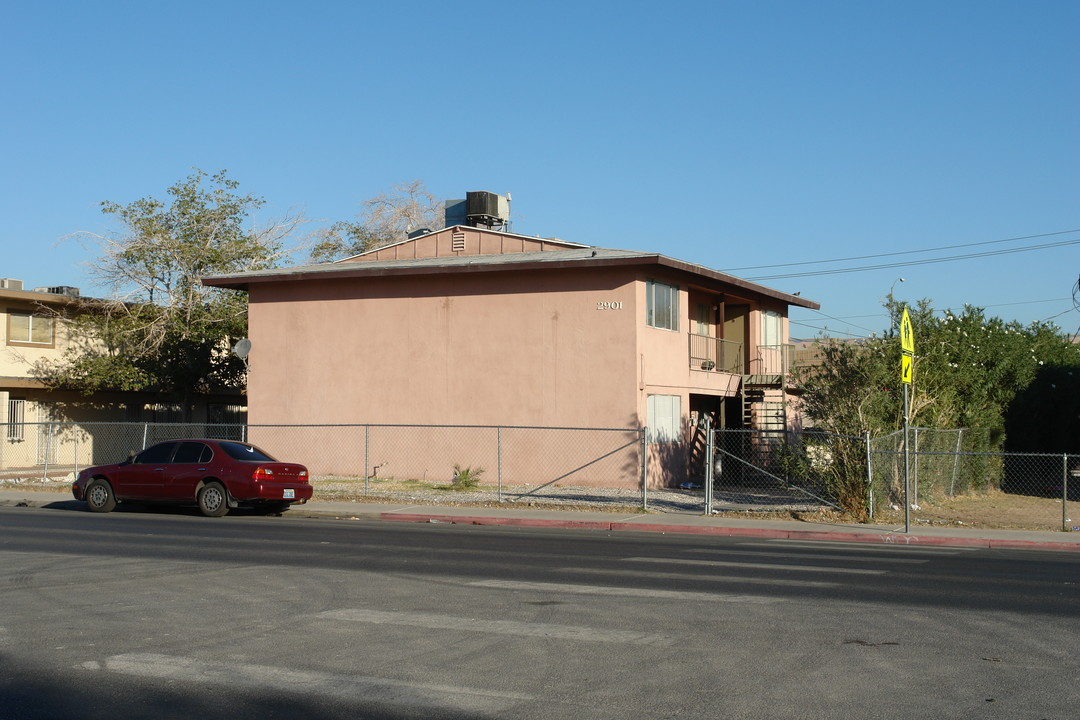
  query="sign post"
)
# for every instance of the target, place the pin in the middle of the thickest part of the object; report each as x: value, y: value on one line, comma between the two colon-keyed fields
x: 907, y: 371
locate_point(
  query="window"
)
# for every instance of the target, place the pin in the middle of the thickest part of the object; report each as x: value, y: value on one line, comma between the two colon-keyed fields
x: 703, y: 319
x: 25, y: 327
x: 16, y: 424
x: 771, y: 323
x: 193, y: 452
x: 662, y: 305
x: 664, y: 418
x: 156, y: 454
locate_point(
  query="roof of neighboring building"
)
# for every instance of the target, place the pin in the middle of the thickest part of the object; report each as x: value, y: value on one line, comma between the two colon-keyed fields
x: 572, y: 257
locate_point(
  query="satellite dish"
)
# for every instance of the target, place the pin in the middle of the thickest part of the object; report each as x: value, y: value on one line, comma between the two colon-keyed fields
x: 242, y: 348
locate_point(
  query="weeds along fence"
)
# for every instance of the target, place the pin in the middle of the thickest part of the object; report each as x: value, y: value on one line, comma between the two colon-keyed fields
x: 523, y: 461
x: 771, y: 470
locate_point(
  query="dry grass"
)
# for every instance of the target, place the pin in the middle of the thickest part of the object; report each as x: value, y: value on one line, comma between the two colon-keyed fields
x: 993, y: 509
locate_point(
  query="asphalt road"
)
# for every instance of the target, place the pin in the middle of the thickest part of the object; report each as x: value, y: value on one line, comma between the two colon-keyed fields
x: 166, y: 614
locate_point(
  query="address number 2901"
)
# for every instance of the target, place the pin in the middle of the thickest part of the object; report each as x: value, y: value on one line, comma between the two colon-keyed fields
x: 616, y: 305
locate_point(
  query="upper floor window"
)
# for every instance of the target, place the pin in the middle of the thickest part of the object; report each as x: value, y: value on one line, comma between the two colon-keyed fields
x: 25, y: 327
x: 772, y: 324
x: 662, y: 305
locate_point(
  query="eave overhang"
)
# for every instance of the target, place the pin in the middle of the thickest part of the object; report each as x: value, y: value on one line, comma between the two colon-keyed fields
x: 584, y: 258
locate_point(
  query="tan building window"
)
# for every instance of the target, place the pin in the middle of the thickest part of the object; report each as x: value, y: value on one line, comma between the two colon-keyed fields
x: 16, y: 424
x: 27, y: 328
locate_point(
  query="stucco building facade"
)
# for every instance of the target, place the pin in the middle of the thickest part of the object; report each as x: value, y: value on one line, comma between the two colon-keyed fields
x: 474, y: 326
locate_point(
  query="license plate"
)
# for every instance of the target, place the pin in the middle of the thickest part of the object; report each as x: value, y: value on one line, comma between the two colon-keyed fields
x: 290, y: 494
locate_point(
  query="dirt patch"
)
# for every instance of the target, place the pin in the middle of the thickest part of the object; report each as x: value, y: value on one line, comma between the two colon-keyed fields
x: 994, y: 509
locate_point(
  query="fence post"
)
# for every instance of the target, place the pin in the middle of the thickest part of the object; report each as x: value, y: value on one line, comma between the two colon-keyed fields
x: 915, y: 475
x: 367, y: 466
x: 1064, y: 492
x: 498, y: 458
x: 644, y: 469
x: 48, y: 450
x: 710, y: 450
x: 869, y: 475
x: 75, y: 428
x: 145, y: 432
x: 956, y: 462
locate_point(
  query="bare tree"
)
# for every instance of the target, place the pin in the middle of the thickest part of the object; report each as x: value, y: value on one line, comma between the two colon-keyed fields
x: 387, y: 218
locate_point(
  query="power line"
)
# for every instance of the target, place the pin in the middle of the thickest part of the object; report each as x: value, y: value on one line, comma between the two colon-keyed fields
x: 905, y: 252
x: 916, y: 262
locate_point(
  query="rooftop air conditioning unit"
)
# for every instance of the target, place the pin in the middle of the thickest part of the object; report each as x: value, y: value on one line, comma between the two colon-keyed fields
x: 59, y: 290
x: 9, y: 284
x: 486, y: 208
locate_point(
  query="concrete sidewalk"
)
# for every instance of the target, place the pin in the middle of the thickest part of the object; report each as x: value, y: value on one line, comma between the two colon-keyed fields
x: 646, y: 522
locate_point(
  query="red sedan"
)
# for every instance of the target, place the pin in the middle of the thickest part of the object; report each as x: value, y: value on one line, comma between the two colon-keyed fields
x: 214, y: 474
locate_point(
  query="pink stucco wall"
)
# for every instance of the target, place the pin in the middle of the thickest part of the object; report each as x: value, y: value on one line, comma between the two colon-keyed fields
x: 523, y: 348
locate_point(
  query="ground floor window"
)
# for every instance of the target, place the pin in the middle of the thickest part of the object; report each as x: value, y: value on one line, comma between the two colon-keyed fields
x: 16, y: 424
x: 664, y: 417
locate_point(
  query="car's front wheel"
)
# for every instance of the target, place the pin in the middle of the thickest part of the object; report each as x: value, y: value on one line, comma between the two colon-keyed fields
x: 100, y: 497
x: 213, y: 501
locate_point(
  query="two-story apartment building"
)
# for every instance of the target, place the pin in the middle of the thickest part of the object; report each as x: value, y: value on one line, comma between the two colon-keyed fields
x: 40, y: 425
x: 472, y: 325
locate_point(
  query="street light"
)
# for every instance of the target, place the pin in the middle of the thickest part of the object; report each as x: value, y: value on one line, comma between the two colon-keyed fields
x: 890, y: 303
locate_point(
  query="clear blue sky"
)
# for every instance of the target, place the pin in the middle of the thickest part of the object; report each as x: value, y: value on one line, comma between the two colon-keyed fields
x: 730, y: 134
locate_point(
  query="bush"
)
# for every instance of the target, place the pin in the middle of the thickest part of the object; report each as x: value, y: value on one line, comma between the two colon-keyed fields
x: 466, y: 478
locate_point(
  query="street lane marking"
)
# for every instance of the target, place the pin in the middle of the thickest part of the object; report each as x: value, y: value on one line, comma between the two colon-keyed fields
x: 864, y: 546
x: 623, y: 592
x: 809, y: 556
x: 706, y: 578
x: 756, y: 566
x: 501, y: 627
x: 352, y: 688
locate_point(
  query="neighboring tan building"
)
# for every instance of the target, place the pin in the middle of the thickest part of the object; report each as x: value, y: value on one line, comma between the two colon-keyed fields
x: 476, y: 326
x: 38, y: 423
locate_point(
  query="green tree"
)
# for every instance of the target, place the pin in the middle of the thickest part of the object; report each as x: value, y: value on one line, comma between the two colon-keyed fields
x: 968, y: 370
x: 162, y: 330
x: 387, y: 218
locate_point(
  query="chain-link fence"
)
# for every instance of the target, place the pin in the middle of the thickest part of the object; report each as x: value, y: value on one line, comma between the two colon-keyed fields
x: 953, y: 479
x: 526, y: 464
x: 772, y: 470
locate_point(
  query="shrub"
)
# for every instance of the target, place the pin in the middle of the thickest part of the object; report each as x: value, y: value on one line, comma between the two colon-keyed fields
x: 466, y: 478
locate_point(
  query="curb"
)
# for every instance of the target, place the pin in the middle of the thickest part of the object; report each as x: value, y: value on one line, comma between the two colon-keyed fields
x: 889, y: 538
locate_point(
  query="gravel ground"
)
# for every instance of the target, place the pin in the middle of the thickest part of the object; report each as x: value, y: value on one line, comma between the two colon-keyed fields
x: 593, y: 499
x: 563, y: 498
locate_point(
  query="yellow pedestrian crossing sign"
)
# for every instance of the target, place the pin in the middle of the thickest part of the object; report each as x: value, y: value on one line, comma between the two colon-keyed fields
x: 907, y: 333
x: 906, y: 368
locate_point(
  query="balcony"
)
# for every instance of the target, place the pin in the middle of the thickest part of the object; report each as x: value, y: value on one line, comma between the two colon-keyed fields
x: 716, y: 355
x: 769, y: 364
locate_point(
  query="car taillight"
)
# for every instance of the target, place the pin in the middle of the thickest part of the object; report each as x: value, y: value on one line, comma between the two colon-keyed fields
x: 262, y: 473
x: 302, y: 475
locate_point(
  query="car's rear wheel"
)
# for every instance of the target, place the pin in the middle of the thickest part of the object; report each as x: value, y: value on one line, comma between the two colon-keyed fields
x: 100, y: 497
x: 213, y: 501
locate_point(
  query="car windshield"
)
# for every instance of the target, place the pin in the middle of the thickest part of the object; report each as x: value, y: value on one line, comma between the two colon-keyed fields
x: 241, y: 451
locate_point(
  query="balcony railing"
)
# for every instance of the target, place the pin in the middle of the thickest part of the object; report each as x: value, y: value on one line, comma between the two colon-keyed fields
x: 773, y: 359
x: 709, y: 353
